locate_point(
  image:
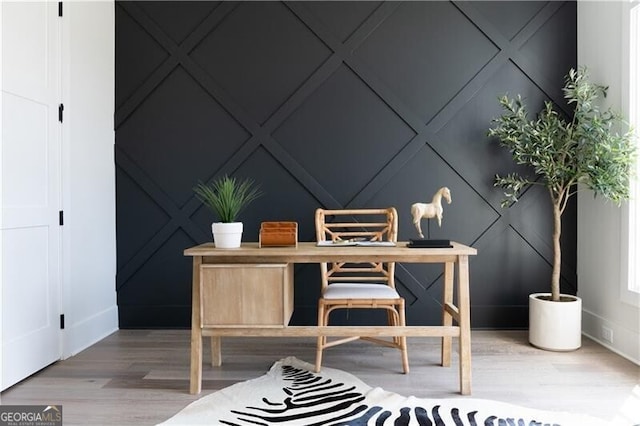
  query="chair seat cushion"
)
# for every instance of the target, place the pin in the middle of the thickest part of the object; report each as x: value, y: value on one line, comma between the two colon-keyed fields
x: 359, y: 291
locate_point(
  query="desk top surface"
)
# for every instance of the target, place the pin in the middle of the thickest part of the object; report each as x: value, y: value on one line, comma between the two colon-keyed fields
x: 309, y: 252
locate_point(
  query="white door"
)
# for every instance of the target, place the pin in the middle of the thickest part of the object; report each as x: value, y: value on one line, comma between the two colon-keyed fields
x: 30, y: 189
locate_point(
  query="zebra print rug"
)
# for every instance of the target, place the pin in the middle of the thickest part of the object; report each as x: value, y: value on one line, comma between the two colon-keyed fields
x: 292, y: 394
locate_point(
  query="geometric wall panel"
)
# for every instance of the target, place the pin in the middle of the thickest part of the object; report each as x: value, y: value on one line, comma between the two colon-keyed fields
x: 552, y: 31
x: 342, y: 18
x: 260, y: 54
x: 137, y: 57
x: 509, y: 17
x: 333, y: 104
x: 180, y: 112
x: 139, y: 217
x: 457, y: 147
x: 342, y: 122
x: 178, y: 19
x: 426, y: 52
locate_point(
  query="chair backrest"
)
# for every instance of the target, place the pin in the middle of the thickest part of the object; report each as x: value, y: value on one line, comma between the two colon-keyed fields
x: 357, y: 224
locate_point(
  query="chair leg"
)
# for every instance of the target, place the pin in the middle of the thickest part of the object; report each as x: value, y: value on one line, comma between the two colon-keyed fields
x: 392, y: 320
x: 397, y: 318
x: 322, y: 340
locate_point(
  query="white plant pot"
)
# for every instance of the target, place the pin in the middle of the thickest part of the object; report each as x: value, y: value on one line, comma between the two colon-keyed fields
x: 555, y: 326
x: 227, y: 235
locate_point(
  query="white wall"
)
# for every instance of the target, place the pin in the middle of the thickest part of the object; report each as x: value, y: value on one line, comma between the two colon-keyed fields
x: 89, y: 238
x: 1, y: 221
x: 602, y: 48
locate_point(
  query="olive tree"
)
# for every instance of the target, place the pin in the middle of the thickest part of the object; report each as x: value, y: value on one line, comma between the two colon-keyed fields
x: 592, y: 149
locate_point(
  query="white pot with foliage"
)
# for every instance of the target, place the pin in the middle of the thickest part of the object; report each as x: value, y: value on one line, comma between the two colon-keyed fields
x: 227, y: 197
x: 592, y: 150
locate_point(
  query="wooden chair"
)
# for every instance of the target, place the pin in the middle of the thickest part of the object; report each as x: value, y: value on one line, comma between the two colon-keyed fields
x: 359, y: 286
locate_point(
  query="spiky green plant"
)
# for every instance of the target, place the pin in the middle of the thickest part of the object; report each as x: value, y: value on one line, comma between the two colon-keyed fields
x: 227, y: 196
x: 585, y: 152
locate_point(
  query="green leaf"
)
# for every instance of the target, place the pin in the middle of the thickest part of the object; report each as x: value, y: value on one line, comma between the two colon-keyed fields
x: 561, y: 152
x: 227, y: 196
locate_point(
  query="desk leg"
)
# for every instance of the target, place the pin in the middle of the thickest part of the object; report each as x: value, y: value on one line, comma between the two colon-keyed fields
x: 447, y: 318
x: 465, y: 325
x: 216, y: 351
x: 196, y: 331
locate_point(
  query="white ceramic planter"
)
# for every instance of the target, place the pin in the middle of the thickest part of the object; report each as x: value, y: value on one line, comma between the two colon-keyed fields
x: 555, y: 326
x: 227, y: 235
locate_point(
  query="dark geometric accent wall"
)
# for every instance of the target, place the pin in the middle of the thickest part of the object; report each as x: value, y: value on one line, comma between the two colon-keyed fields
x: 333, y: 104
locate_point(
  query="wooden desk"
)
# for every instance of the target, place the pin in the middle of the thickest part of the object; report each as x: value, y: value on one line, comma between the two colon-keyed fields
x: 250, y: 256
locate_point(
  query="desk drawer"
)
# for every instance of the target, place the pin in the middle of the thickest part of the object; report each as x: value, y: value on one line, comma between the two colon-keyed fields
x: 257, y: 295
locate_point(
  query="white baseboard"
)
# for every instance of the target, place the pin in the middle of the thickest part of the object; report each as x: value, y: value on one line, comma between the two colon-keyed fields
x: 82, y: 334
x: 626, y: 343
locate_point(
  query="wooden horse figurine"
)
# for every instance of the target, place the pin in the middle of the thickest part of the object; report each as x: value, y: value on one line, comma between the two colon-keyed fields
x: 430, y: 210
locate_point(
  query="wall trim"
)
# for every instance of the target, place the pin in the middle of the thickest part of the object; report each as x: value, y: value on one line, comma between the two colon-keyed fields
x: 624, y: 339
x: 90, y: 330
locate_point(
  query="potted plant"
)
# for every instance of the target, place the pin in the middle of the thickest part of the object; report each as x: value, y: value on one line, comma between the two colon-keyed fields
x: 585, y: 151
x: 227, y: 197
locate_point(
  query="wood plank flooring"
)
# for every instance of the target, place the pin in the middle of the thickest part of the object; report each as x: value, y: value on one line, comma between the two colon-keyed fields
x: 140, y: 377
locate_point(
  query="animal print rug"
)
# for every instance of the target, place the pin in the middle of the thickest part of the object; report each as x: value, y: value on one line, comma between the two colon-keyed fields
x: 292, y: 394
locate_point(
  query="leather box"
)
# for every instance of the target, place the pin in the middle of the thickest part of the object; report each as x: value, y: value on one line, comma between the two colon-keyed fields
x: 279, y: 234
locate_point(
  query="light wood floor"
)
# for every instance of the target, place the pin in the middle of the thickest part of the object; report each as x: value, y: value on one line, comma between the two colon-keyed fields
x: 140, y: 377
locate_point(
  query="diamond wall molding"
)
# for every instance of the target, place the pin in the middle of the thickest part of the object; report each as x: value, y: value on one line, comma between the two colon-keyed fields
x: 351, y: 82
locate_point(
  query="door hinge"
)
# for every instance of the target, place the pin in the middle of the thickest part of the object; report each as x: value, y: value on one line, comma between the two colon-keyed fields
x: 61, y: 217
x: 60, y: 110
x: 61, y: 321
x: 59, y: 8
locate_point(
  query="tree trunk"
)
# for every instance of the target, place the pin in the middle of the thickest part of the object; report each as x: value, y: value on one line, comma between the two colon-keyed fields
x: 557, y: 253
